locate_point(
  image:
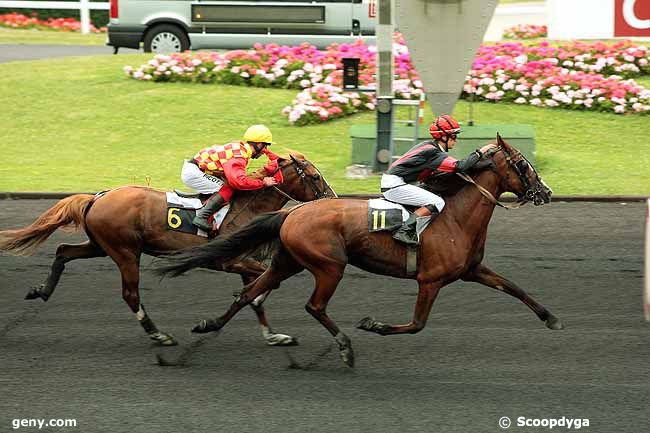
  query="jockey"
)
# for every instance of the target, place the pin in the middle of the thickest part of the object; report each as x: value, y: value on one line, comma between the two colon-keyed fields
x: 421, y: 161
x: 221, y: 170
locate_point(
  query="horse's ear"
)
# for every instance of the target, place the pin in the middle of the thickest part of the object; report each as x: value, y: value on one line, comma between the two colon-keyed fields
x: 500, y: 141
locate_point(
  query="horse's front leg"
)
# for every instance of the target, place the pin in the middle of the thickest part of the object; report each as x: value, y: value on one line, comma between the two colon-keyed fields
x: 271, y: 338
x: 427, y: 293
x: 484, y: 275
x: 257, y: 288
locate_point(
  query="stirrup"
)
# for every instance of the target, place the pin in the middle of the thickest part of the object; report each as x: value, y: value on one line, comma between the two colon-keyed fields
x: 406, y: 236
x: 202, y: 224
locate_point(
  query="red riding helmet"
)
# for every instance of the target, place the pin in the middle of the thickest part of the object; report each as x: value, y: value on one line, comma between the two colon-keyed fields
x: 444, y: 126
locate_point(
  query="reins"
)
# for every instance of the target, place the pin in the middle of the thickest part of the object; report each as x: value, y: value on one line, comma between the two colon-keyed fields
x: 485, y: 193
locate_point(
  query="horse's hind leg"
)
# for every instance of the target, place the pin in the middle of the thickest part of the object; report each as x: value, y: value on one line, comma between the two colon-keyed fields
x: 64, y: 254
x: 482, y: 274
x: 129, y: 265
x: 326, y: 283
x: 282, y: 267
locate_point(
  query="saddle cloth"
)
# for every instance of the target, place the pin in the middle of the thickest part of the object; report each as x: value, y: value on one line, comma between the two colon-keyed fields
x: 385, y: 215
x: 181, y: 212
x: 388, y: 215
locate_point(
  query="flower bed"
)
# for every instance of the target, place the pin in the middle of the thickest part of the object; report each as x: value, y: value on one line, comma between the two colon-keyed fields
x: 525, y: 31
x: 19, y: 21
x: 577, y: 76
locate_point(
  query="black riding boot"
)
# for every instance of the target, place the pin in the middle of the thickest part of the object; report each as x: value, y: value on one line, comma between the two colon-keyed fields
x: 212, y: 205
x: 407, y: 233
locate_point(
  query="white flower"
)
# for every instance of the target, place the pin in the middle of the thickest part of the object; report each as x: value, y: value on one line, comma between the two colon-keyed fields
x: 244, y: 74
x: 520, y: 100
x: 305, y: 83
x: 370, y: 106
x: 535, y: 101
x: 619, y: 109
x: 235, y: 69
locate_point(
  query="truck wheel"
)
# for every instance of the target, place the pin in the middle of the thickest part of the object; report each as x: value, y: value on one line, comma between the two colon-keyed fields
x: 165, y: 39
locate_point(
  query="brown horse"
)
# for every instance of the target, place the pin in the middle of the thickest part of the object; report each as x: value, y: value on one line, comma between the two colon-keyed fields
x: 324, y: 236
x: 126, y: 222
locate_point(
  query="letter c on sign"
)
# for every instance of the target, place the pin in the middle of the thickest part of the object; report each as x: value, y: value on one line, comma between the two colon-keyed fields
x: 631, y: 18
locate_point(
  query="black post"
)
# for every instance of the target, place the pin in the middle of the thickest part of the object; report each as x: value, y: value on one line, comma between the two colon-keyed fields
x: 350, y: 73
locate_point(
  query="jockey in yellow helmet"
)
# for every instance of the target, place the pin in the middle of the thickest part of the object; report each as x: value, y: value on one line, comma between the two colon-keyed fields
x: 220, y: 170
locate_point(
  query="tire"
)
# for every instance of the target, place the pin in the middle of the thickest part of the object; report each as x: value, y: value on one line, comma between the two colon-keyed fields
x: 165, y: 39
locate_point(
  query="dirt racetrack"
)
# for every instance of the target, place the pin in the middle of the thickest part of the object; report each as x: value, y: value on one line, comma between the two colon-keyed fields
x: 482, y: 356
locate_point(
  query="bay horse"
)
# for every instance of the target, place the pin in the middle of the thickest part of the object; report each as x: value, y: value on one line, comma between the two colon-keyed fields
x: 128, y: 221
x: 324, y: 236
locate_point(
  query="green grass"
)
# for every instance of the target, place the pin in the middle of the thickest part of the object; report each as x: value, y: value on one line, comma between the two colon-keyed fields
x: 79, y: 124
x: 18, y: 36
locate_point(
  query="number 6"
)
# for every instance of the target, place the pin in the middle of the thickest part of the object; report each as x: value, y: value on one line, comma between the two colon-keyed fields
x: 173, y: 220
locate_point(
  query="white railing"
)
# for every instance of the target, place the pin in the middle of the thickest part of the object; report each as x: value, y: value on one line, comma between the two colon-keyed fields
x: 83, y: 6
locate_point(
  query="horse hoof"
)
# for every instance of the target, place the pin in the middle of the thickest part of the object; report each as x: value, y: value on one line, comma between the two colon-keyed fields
x: 36, y: 293
x: 554, y: 323
x: 163, y: 339
x: 281, y: 340
x: 347, y: 355
x: 201, y: 327
x: 366, y: 324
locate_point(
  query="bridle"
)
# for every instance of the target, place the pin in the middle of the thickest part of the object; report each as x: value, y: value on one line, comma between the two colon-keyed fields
x: 531, y: 192
x: 303, y: 177
x: 308, y: 181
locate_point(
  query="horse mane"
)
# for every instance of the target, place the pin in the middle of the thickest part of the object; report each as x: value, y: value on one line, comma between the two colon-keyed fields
x: 260, y: 173
x: 448, y: 184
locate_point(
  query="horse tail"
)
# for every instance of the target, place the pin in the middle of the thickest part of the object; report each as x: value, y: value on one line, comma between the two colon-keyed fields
x: 67, y: 212
x: 247, y: 240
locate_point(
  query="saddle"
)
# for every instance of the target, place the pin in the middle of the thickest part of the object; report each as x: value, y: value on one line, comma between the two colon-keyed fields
x: 181, y: 210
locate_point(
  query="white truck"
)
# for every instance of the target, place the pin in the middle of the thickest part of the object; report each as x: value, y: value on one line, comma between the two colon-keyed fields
x: 165, y: 26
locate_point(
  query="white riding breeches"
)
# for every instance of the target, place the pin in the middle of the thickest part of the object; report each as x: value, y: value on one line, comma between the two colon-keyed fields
x: 410, y: 194
x: 192, y: 176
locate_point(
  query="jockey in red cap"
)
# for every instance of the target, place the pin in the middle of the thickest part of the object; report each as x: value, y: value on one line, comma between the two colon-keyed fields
x: 423, y: 160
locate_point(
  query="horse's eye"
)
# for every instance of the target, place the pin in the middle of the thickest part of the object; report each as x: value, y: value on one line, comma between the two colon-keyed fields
x: 315, y: 176
x: 522, y: 166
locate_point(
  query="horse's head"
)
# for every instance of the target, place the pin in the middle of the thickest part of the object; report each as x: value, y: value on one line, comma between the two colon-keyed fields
x: 302, y: 180
x: 518, y: 175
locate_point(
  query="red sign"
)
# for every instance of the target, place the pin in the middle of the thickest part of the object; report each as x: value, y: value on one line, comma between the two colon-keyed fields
x: 372, y: 8
x: 631, y: 18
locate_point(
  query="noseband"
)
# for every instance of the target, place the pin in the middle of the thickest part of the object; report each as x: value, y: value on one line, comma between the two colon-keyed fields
x: 531, y: 192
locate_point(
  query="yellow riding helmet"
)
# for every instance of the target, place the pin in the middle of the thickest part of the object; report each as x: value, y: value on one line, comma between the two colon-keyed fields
x: 258, y: 134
